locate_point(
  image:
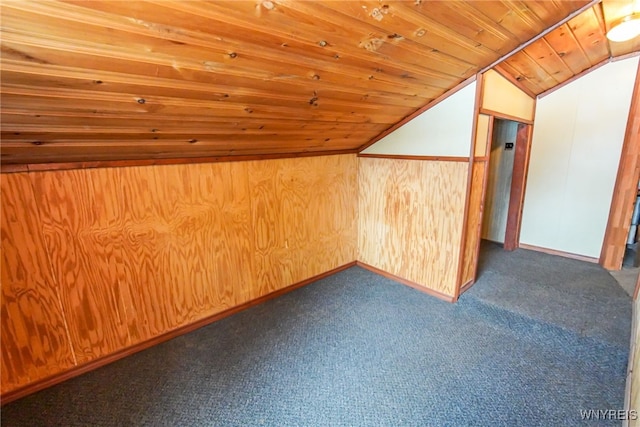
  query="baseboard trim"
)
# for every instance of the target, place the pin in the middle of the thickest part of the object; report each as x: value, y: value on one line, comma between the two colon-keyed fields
x: 414, y: 285
x: 559, y: 253
x: 23, y: 391
x: 464, y: 288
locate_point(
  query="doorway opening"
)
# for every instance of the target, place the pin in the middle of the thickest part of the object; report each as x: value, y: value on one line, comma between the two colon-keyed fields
x: 632, y: 251
x: 506, y: 180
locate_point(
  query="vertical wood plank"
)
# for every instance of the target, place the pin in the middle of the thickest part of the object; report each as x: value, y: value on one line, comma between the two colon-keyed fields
x: 474, y: 221
x: 518, y: 185
x: 34, y: 337
x: 468, y: 256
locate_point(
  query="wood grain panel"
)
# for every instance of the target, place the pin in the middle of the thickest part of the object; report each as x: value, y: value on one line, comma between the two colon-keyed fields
x: 259, y: 65
x: 549, y: 60
x: 104, y: 81
x: 410, y: 219
x: 53, y: 121
x: 35, y: 343
x: 139, y: 252
x: 304, y: 213
x: 567, y: 51
x: 33, y: 100
x: 79, y: 218
x: 191, y: 46
x: 591, y: 36
x: 474, y: 222
x: 530, y: 68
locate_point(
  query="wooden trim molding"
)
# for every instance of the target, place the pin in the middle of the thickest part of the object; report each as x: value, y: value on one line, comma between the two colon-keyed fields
x: 485, y: 184
x: 467, y: 200
x: 625, y: 189
x: 409, y: 157
x: 576, y: 77
x: 419, y: 111
x: 559, y: 253
x: 518, y: 186
x: 13, y: 168
x: 500, y: 115
x: 625, y: 56
x: 40, y: 167
x: 102, y: 361
x: 406, y: 282
x: 464, y: 288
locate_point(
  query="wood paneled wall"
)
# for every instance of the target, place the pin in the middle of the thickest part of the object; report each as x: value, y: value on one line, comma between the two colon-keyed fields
x: 410, y: 219
x: 34, y: 339
x: 97, y: 260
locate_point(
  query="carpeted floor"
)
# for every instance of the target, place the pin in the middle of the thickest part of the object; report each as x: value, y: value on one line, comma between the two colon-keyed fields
x: 628, y: 275
x: 356, y: 349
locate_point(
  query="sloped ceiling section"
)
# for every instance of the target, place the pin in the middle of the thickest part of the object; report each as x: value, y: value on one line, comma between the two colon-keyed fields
x: 109, y: 80
x: 572, y: 48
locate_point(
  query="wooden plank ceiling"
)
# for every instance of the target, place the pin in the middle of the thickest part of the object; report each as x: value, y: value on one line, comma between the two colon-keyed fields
x: 572, y: 48
x: 109, y: 80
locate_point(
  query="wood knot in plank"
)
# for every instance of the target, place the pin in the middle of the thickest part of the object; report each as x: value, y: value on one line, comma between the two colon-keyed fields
x: 371, y: 44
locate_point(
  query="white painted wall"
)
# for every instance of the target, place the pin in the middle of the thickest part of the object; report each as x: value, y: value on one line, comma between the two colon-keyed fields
x: 577, y: 140
x: 443, y: 130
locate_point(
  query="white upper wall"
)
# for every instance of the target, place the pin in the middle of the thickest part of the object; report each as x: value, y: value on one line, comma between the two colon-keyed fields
x: 577, y: 141
x: 443, y: 130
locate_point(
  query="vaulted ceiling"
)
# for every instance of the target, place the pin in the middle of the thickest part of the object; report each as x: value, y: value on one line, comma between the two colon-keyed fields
x: 570, y: 49
x: 107, y: 80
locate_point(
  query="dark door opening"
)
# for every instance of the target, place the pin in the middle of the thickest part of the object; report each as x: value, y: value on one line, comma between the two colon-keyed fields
x: 508, y: 163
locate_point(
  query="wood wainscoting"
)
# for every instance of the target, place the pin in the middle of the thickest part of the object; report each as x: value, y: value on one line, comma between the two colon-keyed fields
x: 96, y: 261
x: 410, y: 219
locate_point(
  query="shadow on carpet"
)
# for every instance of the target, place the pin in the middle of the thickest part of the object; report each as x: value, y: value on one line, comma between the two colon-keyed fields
x: 575, y: 295
x: 356, y: 349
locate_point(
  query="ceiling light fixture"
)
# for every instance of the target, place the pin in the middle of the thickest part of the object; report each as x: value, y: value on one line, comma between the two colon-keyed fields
x: 625, y: 29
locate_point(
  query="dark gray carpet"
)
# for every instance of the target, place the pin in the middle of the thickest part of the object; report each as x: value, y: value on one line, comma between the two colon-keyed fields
x: 579, y: 296
x: 357, y: 349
